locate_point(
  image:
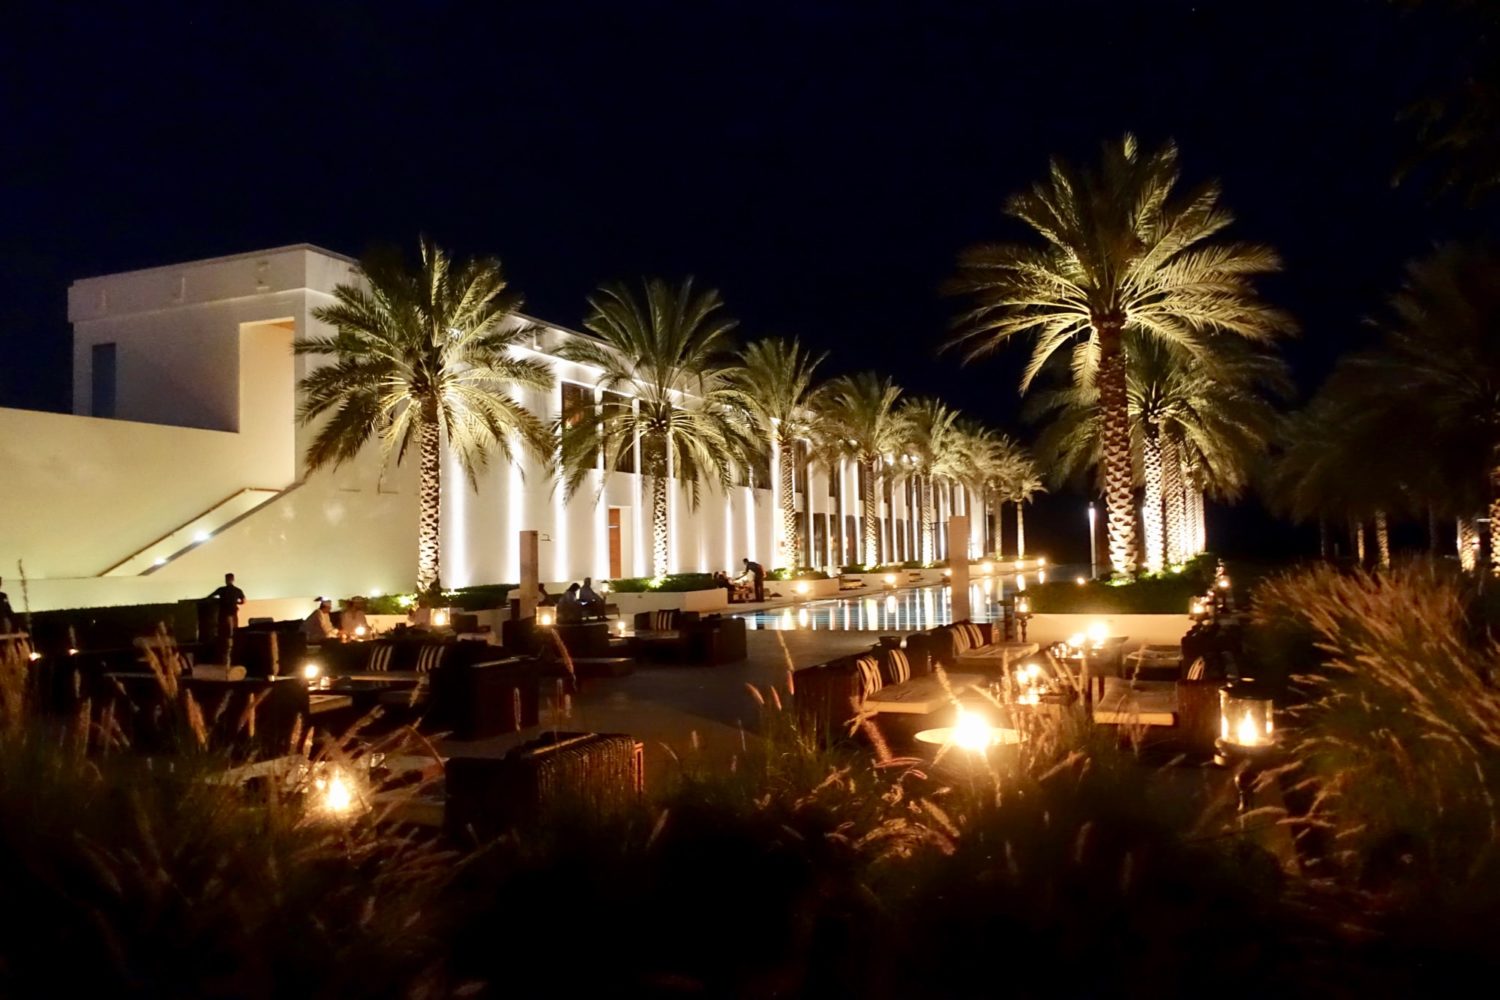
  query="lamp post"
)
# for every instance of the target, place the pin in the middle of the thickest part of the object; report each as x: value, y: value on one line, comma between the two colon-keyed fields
x: 1093, y: 542
x: 1023, y: 613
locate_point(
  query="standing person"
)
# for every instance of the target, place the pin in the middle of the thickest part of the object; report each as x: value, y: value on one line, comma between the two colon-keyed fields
x: 758, y: 574
x: 226, y: 616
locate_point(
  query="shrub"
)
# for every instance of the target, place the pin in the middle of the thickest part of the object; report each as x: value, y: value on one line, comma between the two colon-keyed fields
x: 672, y: 583
x: 802, y: 573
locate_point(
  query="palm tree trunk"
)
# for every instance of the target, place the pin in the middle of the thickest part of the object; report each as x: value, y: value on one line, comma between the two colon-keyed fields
x: 1468, y: 544
x: 929, y: 529
x: 1495, y: 536
x: 790, y: 540
x: 836, y: 536
x: 1357, y: 539
x: 1020, y: 529
x: 1176, y: 502
x: 1151, y: 503
x: 871, y: 514
x: 430, y: 506
x: 658, y: 525
x: 1114, y: 407
x: 1383, y: 539
x: 1200, y: 522
x: 1323, y: 538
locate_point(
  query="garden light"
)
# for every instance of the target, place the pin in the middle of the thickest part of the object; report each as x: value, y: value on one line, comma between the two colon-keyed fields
x: 802, y: 587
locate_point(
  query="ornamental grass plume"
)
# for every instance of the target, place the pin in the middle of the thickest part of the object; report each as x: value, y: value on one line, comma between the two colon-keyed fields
x: 132, y: 875
x: 1397, y: 756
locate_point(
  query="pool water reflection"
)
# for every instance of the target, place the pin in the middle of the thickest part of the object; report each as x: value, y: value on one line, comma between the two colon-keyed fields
x: 883, y: 611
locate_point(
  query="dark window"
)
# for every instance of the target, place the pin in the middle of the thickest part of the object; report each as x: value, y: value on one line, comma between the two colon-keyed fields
x: 863, y: 478
x: 576, y: 401
x: 577, y: 404
x: 833, y: 480
x: 615, y: 402
x: 820, y: 540
x: 799, y: 470
x: 102, y: 391
x: 760, y: 471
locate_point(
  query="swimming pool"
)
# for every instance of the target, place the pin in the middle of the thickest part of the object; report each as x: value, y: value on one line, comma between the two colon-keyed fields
x: 906, y: 610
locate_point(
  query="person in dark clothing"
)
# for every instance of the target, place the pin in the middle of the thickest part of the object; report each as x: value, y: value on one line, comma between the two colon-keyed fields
x: 226, y: 616
x: 758, y: 575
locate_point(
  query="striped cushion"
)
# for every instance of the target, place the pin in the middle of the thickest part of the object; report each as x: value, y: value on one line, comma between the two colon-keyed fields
x: 429, y: 658
x: 869, y: 675
x: 1197, y: 670
x: 959, y: 639
x: 897, y: 667
x: 974, y: 632
x: 380, y: 659
x: 664, y: 621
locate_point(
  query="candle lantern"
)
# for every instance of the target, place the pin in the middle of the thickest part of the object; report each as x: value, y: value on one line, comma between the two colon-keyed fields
x: 1198, y: 609
x: 1247, y: 733
x: 1023, y: 613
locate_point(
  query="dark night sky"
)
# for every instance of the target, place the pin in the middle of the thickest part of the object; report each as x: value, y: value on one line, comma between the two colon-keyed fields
x: 820, y: 162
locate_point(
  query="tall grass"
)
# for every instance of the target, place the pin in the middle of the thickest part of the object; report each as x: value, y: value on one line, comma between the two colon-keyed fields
x: 1397, y: 743
x: 123, y: 875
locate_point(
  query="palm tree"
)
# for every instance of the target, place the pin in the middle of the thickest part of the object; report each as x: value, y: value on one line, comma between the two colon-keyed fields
x: 1119, y: 253
x: 1338, y: 464
x: 925, y: 429
x: 1434, y: 383
x: 422, y: 356
x: 861, y: 412
x: 670, y: 349
x: 1197, y: 421
x: 776, y: 388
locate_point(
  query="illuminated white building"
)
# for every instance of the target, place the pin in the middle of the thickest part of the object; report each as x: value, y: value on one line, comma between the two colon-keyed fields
x: 182, y: 460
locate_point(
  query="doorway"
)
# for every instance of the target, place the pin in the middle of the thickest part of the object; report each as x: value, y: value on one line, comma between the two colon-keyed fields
x: 616, y: 546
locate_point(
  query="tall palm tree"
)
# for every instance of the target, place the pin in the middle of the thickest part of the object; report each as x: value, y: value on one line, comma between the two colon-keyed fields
x: 669, y: 347
x: 925, y: 429
x: 860, y: 410
x: 1434, y: 381
x: 776, y: 388
x: 421, y: 356
x: 1119, y: 252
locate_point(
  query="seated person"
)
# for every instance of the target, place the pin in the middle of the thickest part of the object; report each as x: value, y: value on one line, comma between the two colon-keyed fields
x: 420, y: 615
x: 721, y: 579
x: 744, y: 589
x: 544, y: 599
x: 593, y: 604
x: 318, y: 627
x: 569, y: 607
x: 352, y: 620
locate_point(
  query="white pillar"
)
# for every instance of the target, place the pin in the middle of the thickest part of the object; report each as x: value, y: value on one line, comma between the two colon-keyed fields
x: 529, y: 578
x: 958, y: 562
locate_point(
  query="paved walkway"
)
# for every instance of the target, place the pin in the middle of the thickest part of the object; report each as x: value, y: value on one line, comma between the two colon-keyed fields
x: 685, y: 716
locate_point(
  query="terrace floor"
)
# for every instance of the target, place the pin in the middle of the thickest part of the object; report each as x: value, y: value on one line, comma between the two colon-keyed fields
x: 703, y: 718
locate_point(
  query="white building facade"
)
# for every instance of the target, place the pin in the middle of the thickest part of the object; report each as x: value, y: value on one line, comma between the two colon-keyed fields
x: 183, y: 460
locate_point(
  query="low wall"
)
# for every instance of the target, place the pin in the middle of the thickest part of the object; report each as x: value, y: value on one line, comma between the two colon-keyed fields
x: 1137, y: 629
x: 655, y: 600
